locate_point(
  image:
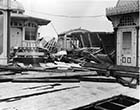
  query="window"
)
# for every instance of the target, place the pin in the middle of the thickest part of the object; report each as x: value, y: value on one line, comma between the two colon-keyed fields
x: 127, y: 42
x: 30, y: 34
x: 16, y: 24
x: 30, y: 31
x: 126, y: 21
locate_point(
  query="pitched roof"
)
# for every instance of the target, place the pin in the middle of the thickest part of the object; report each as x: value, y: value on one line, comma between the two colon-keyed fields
x: 123, y: 7
x: 39, y: 21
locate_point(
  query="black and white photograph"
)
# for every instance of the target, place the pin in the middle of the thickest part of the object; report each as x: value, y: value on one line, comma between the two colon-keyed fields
x: 69, y: 55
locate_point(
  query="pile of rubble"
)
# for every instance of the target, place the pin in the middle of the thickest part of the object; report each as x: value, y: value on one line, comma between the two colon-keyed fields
x: 82, y: 59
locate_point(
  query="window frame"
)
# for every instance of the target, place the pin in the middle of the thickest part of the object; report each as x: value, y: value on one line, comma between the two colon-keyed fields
x: 32, y: 27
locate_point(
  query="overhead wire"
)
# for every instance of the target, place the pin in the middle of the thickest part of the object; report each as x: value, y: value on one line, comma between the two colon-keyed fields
x: 65, y: 16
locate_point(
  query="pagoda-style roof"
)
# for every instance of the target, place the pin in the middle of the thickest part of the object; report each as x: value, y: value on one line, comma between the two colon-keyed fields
x: 123, y: 7
x: 39, y: 21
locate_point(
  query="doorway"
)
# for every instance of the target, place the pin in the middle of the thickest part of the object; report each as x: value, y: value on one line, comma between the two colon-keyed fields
x: 126, y: 46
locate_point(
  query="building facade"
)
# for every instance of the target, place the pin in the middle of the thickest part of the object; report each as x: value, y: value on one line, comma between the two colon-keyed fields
x: 125, y: 19
x: 23, y: 29
x: 81, y: 38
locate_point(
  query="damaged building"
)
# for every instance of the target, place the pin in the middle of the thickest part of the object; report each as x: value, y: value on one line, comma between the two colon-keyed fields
x: 90, y: 71
x: 81, y: 38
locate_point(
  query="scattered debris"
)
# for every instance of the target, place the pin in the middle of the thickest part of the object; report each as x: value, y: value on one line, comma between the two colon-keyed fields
x: 78, y: 59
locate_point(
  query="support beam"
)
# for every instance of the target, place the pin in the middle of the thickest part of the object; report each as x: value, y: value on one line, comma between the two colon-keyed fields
x: 82, y: 41
x: 89, y: 40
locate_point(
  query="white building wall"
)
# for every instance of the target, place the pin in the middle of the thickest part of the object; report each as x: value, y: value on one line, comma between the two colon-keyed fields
x: 3, y: 56
x: 139, y: 49
x: 16, y: 37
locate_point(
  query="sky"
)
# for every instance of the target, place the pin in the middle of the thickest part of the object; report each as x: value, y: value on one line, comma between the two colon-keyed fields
x: 48, y: 8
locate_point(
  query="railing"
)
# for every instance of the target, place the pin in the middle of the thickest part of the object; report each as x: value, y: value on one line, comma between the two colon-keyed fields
x: 29, y: 44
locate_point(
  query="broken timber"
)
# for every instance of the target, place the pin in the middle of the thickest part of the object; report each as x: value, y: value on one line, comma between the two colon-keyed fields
x: 119, y: 72
x: 46, y: 80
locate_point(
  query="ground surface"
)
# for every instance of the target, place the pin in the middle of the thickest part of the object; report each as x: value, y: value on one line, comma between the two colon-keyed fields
x: 59, y: 96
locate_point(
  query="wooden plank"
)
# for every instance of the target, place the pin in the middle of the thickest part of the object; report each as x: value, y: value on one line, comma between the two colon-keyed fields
x: 125, y: 74
x: 96, y: 65
x: 124, y: 68
x: 30, y: 53
x: 82, y: 41
x: 32, y: 89
x: 40, y: 86
x: 46, y: 80
x: 19, y: 97
x: 90, y: 42
x: 98, y: 79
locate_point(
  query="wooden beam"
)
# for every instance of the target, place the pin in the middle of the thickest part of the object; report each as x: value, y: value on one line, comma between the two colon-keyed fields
x: 82, y: 41
x: 102, y: 43
x: 89, y: 40
x: 46, y: 80
x: 37, y: 93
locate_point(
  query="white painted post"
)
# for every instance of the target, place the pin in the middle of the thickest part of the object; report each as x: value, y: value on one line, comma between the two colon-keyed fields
x: 139, y: 48
x: 4, y: 8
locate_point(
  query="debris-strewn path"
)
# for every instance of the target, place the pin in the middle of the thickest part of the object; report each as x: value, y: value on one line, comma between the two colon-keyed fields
x: 60, y: 96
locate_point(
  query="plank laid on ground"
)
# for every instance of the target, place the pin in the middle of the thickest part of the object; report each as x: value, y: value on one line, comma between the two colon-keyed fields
x: 6, y: 73
x: 46, y: 80
x: 40, y: 86
x: 112, y: 67
x: 15, y: 98
x: 125, y: 74
x: 98, y: 79
x: 124, y: 68
x: 41, y: 69
x: 13, y: 68
x: 25, y: 92
x: 96, y: 65
x: 44, y: 75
